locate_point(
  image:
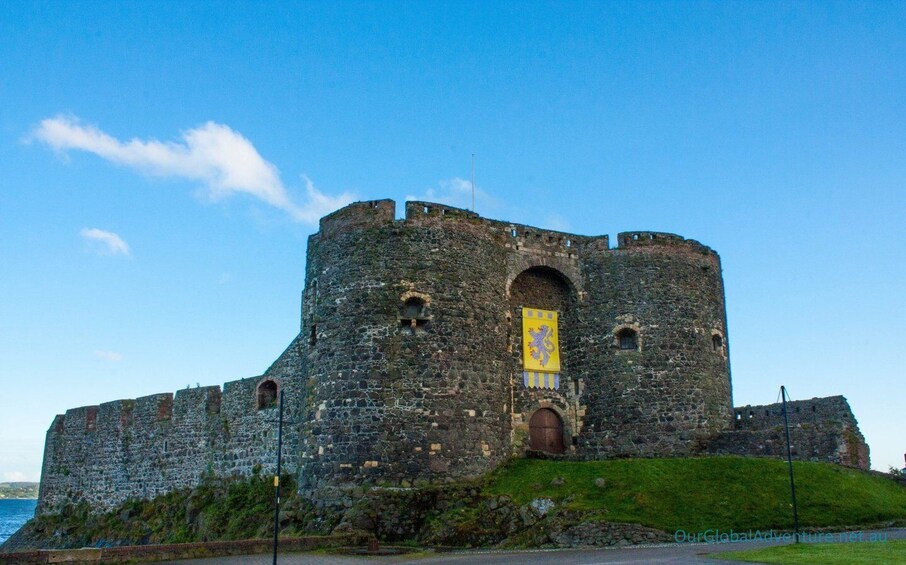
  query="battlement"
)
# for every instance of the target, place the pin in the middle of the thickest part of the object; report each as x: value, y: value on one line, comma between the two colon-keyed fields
x: 122, y: 414
x: 821, y: 429
x: 812, y: 411
x: 186, y: 404
x: 358, y: 215
x: 524, y: 236
x: 376, y: 213
x: 418, y: 210
x: 645, y: 239
x: 81, y: 419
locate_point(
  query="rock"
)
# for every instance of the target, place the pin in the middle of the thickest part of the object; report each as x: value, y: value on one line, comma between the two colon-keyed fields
x: 527, y: 515
x: 345, y: 528
x: 557, y: 481
x: 287, y: 515
x: 600, y: 482
x: 542, y: 505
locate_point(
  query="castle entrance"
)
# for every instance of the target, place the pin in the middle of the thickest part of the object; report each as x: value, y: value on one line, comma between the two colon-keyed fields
x: 546, y: 431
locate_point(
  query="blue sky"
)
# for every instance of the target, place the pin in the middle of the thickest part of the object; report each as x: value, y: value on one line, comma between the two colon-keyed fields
x: 162, y: 165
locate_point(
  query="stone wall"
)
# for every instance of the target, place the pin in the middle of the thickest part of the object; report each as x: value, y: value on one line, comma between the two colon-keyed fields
x: 152, y: 445
x: 821, y: 429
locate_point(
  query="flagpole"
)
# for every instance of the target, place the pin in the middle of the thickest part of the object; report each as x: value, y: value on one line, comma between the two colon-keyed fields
x: 473, y: 182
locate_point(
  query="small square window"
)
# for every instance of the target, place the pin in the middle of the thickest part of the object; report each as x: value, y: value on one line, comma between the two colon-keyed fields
x: 628, y: 339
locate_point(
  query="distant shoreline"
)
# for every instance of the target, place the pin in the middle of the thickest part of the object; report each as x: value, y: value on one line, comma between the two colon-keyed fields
x: 21, y: 490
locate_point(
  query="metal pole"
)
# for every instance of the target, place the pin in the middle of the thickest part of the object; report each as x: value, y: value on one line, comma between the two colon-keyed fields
x: 277, y: 476
x: 789, y: 460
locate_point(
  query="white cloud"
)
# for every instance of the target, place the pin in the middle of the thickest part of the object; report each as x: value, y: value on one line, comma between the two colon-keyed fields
x: 214, y: 154
x: 457, y: 192
x: 14, y: 477
x: 108, y: 356
x: 105, y: 241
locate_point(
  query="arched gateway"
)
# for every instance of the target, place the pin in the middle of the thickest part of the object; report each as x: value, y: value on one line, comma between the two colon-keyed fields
x: 546, y: 431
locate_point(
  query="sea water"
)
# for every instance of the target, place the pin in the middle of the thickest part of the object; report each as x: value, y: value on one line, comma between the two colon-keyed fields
x: 14, y: 513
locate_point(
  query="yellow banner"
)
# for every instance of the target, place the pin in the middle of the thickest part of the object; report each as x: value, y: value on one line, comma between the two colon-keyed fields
x: 540, y: 341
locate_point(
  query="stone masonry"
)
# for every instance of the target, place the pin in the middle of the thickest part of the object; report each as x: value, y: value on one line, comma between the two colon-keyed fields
x: 407, y: 369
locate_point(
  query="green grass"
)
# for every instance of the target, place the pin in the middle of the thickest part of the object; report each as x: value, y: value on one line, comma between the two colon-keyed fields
x: 865, y: 553
x: 706, y: 493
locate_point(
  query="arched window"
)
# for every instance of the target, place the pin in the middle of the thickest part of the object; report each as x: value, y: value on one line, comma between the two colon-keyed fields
x: 267, y: 395
x: 717, y: 342
x: 628, y: 339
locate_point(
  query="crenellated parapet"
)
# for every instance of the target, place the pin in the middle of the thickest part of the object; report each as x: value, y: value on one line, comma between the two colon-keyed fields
x: 358, y: 215
x: 821, y: 429
x: 661, y: 240
x: 812, y: 411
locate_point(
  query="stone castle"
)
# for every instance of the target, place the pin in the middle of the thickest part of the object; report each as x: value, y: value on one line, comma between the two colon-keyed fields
x: 408, y: 368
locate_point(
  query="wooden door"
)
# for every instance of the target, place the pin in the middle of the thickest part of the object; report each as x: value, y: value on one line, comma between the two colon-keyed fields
x: 546, y: 431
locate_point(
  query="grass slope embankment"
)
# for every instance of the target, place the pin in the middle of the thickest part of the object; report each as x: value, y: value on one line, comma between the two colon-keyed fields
x: 699, y: 494
x: 694, y: 495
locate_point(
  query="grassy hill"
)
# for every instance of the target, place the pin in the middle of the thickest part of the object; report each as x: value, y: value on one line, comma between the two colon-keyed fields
x: 706, y: 493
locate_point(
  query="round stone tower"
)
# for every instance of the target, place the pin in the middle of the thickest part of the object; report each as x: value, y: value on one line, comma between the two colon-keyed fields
x: 406, y: 377
x: 657, y: 372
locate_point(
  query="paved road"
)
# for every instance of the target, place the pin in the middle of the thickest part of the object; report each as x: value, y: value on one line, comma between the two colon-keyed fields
x: 666, y: 554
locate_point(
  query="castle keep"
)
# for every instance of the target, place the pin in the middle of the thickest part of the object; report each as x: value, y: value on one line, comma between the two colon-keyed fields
x: 410, y: 367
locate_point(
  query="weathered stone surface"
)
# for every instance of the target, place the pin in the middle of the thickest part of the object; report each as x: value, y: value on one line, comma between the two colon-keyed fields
x: 600, y: 534
x: 445, y: 398
x: 141, y: 448
x: 821, y: 429
x: 407, y: 370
